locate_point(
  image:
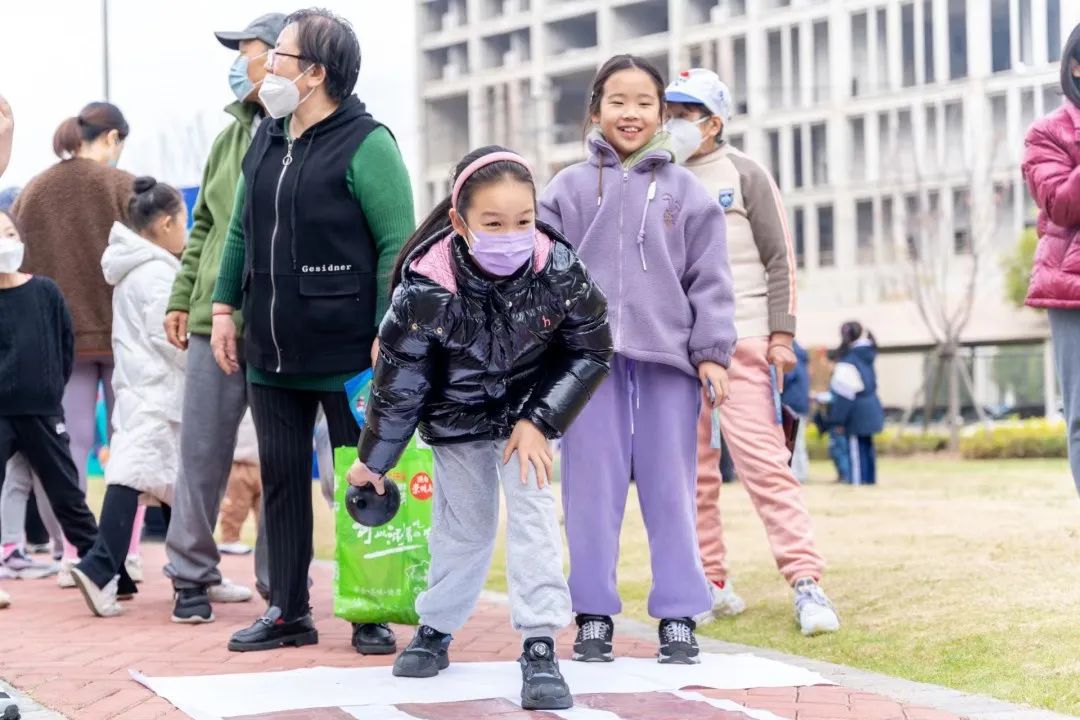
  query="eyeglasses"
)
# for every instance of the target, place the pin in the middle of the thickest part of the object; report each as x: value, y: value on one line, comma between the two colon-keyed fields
x: 273, y: 55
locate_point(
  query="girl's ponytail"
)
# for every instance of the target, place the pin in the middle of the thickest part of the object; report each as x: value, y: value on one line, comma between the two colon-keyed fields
x: 438, y: 220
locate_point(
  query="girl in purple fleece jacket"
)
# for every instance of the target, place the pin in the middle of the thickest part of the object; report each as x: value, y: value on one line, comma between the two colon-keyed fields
x: 654, y: 241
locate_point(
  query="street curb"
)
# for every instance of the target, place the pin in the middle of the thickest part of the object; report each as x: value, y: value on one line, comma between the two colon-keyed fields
x: 968, y: 705
x: 28, y: 708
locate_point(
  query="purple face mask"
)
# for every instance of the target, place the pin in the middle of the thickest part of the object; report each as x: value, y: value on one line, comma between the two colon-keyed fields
x: 503, y: 255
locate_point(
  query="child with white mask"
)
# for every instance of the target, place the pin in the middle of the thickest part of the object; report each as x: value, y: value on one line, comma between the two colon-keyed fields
x: 37, y: 350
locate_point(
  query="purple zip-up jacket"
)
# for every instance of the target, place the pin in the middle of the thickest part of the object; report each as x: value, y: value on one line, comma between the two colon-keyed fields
x: 654, y: 241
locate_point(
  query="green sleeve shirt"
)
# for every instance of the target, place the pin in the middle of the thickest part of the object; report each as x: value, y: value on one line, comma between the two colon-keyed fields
x: 379, y: 182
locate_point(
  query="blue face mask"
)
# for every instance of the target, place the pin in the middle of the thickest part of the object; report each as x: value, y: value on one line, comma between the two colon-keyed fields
x: 238, y: 78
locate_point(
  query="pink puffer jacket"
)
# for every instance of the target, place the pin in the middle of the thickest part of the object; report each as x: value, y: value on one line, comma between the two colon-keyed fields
x: 1052, y: 170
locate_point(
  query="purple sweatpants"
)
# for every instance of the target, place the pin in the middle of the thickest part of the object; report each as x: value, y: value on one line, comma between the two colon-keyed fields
x: 80, y: 407
x: 642, y: 418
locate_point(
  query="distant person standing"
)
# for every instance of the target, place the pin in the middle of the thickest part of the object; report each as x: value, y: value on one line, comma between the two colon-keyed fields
x: 214, y: 402
x: 796, y: 396
x: 855, y: 408
x: 65, y: 215
x: 1051, y: 159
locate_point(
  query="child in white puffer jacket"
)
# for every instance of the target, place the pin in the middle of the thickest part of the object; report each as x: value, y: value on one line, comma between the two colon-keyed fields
x: 141, y: 263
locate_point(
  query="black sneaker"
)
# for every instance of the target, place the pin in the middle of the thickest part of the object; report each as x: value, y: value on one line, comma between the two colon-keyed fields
x: 678, y: 646
x: 192, y: 606
x: 273, y: 631
x: 542, y: 685
x: 593, y: 643
x: 426, y: 655
x: 372, y: 639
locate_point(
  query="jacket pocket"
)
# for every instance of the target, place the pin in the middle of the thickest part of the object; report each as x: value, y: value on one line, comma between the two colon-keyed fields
x: 335, y: 303
x: 1070, y: 260
x: 317, y: 286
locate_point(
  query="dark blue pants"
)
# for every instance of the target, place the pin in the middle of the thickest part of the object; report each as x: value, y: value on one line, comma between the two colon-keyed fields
x: 863, y: 460
x: 840, y: 454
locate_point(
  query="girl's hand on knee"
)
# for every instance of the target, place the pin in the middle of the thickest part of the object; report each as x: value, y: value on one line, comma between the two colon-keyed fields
x: 714, y: 383
x: 532, y: 448
x: 360, y: 474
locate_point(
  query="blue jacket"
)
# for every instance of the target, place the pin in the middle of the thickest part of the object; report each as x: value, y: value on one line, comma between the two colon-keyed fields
x: 855, y: 405
x: 797, y: 384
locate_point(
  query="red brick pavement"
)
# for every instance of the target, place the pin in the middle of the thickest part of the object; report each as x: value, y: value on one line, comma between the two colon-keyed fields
x: 57, y: 652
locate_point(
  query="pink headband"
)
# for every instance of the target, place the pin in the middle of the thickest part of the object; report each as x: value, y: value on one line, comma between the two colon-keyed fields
x: 481, y: 162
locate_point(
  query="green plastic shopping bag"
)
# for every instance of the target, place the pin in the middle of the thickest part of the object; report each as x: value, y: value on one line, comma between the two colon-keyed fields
x: 380, y: 571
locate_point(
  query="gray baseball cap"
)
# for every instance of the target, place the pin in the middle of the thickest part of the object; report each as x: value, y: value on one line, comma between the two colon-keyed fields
x: 266, y: 28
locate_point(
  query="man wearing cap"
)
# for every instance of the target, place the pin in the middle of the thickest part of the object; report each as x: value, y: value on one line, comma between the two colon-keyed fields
x: 762, y: 260
x: 214, y: 402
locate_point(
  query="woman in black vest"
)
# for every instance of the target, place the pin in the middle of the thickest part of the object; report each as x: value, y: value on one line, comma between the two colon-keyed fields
x: 322, y: 208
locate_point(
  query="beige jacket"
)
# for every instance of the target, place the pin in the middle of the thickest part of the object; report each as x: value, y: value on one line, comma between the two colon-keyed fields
x: 759, y: 244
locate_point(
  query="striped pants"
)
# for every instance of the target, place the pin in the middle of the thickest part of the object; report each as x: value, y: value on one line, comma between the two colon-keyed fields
x: 284, y: 425
x: 863, y: 459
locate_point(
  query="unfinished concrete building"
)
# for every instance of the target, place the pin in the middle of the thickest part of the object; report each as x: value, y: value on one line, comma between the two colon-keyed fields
x: 874, y: 116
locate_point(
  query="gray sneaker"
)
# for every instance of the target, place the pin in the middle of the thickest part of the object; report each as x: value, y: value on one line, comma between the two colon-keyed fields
x: 21, y: 565
x: 813, y: 611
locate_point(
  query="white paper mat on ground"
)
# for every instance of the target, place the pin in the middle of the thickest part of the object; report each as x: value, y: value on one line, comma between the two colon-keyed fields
x: 211, y: 697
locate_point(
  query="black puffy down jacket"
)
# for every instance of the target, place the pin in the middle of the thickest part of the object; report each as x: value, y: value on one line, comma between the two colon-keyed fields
x: 464, y: 357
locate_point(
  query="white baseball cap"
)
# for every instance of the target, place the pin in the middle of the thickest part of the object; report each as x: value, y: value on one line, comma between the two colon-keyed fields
x: 699, y: 86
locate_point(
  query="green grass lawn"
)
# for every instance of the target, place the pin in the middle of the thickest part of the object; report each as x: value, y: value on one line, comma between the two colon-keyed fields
x: 964, y: 574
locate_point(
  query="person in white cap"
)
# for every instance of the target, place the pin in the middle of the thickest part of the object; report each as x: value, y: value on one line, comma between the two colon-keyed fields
x: 762, y: 260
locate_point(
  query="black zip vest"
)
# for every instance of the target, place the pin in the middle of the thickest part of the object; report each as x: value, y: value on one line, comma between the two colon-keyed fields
x: 310, y: 274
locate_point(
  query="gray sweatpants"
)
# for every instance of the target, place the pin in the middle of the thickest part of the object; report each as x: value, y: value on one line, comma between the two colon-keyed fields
x: 464, y: 521
x: 19, y: 481
x: 214, y: 404
x: 1065, y: 331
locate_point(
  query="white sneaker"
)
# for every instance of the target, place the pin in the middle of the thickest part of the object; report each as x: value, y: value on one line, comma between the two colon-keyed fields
x: 64, y: 578
x: 236, y: 548
x: 813, y: 611
x: 133, y: 564
x: 726, y: 603
x: 228, y: 592
x: 101, y: 601
x: 18, y: 564
x: 5, y: 599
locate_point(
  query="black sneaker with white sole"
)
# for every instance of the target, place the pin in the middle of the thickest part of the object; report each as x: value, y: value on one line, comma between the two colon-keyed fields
x: 678, y: 646
x: 427, y: 654
x: 593, y: 642
x: 192, y: 606
x: 542, y: 685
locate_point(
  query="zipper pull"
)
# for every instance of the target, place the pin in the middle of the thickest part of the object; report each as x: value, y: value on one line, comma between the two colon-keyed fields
x: 287, y: 160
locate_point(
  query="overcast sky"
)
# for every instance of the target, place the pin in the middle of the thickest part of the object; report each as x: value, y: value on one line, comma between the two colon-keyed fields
x: 169, y: 74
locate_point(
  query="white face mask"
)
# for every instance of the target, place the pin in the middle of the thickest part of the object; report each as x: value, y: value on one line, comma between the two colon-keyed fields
x: 11, y: 255
x: 686, y: 136
x: 280, y: 96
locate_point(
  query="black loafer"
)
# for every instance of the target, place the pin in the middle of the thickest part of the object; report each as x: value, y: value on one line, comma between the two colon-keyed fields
x: 372, y: 639
x: 273, y: 631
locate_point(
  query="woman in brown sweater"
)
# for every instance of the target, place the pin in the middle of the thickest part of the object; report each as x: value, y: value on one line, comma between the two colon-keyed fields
x: 65, y: 214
